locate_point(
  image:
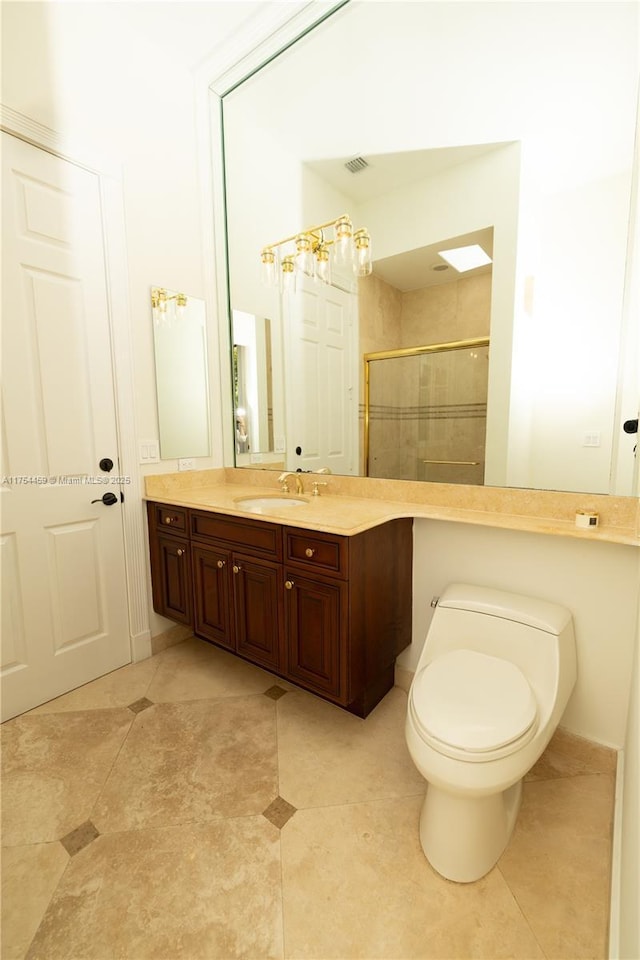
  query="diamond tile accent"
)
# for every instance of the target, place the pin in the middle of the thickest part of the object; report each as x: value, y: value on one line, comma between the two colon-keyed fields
x: 78, y: 839
x: 279, y: 811
x: 139, y: 705
x: 275, y: 692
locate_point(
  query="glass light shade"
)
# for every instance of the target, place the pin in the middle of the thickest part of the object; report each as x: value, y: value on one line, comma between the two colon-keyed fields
x: 304, y: 254
x: 288, y: 275
x: 343, y: 247
x: 323, y: 265
x: 269, y: 269
x: 362, y: 266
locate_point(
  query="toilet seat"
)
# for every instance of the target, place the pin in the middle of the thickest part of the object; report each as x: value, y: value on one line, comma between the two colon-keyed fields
x: 473, y: 706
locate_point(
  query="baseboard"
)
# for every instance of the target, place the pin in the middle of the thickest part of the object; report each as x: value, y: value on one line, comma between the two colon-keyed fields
x: 170, y: 637
x: 616, y: 863
x: 141, y: 646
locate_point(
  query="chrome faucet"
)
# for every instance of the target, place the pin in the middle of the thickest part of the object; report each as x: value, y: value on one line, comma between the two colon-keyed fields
x: 283, y: 480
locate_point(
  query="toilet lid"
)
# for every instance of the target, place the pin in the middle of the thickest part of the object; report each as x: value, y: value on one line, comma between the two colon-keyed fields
x: 473, y: 702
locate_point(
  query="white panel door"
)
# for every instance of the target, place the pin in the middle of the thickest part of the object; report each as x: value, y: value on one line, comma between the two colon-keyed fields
x: 64, y: 599
x: 321, y: 397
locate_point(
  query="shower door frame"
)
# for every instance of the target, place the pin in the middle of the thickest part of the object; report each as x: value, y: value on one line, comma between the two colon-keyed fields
x: 407, y: 352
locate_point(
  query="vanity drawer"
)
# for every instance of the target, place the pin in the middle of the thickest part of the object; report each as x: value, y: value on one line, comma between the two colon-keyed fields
x: 170, y: 519
x: 322, y: 552
x: 263, y: 539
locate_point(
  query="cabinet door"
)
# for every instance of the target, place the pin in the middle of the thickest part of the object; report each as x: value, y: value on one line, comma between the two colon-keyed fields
x: 316, y: 636
x: 212, y: 595
x: 256, y: 594
x: 173, y: 595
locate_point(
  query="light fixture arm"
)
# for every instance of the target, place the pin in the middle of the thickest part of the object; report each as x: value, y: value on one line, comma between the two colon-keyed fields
x: 311, y: 232
x: 311, y: 257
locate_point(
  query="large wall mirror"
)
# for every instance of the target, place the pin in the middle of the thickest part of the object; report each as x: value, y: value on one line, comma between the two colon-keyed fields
x: 504, y: 125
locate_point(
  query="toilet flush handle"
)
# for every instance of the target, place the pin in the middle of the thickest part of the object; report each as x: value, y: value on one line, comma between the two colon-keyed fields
x: 434, y: 601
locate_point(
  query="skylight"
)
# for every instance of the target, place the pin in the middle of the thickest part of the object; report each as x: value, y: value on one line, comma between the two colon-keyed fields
x: 465, y: 258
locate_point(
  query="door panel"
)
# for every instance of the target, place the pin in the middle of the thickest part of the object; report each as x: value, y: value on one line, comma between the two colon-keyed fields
x: 67, y: 620
x: 256, y: 591
x: 211, y: 572
x: 315, y: 631
x: 321, y: 380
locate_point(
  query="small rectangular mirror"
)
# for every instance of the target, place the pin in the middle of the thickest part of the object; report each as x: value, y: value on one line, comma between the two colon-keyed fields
x: 182, y: 389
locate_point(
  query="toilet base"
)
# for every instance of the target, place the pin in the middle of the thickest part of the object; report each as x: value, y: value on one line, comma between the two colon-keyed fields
x: 463, y: 837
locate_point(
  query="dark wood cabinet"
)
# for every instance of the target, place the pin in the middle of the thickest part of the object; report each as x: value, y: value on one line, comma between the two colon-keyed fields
x: 213, y: 595
x: 256, y: 595
x: 170, y: 563
x: 328, y: 612
x: 315, y: 629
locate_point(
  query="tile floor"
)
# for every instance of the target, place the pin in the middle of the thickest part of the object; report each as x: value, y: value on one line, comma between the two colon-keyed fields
x: 193, y: 807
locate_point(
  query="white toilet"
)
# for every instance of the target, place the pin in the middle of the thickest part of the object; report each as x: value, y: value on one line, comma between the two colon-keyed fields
x: 491, y: 685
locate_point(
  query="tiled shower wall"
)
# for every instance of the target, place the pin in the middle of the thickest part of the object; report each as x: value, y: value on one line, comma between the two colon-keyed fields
x: 408, y: 431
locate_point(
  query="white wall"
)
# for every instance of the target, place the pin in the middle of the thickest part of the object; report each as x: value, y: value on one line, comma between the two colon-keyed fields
x: 597, y: 581
x: 74, y: 68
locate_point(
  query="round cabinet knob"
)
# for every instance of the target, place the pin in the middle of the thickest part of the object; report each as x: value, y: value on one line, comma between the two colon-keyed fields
x: 221, y: 564
x: 170, y: 519
x: 309, y: 552
x: 289, y: 584
x: 236, y: 568
x: 180, y: 553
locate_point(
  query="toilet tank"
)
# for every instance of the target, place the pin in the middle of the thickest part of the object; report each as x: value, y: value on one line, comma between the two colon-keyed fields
x: 535, y: 635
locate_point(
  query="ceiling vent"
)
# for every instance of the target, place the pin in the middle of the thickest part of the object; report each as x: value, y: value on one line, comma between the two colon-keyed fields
x: 356, y: 165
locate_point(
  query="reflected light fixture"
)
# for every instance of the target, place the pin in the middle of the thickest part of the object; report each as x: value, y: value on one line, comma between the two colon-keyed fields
x: 312, y: 252
x: 465, y: 258
x: 165, y: 306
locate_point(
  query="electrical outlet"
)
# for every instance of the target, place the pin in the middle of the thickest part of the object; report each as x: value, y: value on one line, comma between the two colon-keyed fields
x: 186, y: 464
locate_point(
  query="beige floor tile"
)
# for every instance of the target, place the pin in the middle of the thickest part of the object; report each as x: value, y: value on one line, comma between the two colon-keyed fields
x: 53, y: 767
x: 192, y: 761
x: 30, y: 874
x: 199, y: 892
x: 195, y: 670
x: 558, y: 864
x: 597, y: 759
x: 553, y: 766
x: 116, y: 689
x: 356, y: 884
x: 328, y: 756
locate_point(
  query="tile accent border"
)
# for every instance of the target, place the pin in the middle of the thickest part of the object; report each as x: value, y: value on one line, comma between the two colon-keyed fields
x: 76, y: 840
x: 279, y: 812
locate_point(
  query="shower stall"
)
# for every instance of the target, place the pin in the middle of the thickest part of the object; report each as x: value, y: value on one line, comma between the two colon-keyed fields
x: 425, y: 412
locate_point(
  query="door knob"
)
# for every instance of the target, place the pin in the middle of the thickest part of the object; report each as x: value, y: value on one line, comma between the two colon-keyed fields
x: 107, y: 498
x: 630, y: 426
x: 106, y: 464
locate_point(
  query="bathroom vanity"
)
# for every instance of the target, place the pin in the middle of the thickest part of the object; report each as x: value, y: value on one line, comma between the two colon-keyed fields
x: 327, y: 612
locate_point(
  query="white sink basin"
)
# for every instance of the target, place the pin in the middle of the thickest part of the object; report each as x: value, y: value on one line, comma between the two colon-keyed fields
x: 268, y: 502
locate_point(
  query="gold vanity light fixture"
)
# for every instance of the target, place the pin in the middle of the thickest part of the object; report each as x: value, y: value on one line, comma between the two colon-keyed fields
x: 309, y: 253
x: 165, y: 305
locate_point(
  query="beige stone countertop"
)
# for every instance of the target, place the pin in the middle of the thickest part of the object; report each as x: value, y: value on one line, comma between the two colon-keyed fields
x: 334, y: 512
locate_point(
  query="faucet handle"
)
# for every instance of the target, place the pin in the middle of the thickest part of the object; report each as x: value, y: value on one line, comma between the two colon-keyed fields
x: 318, y: 483
x: 284, y: 486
